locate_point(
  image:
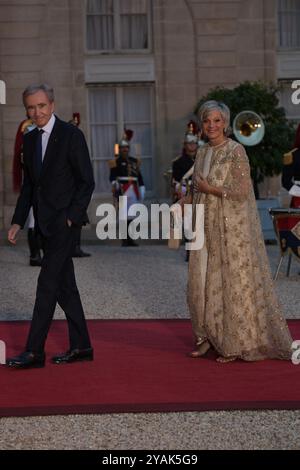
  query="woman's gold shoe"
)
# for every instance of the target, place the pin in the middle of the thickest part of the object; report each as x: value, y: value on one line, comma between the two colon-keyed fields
x: 223, y: 360
x: 201, y: 349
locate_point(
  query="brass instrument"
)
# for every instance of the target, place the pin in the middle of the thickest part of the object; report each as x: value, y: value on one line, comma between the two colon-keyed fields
x: 248, y: 128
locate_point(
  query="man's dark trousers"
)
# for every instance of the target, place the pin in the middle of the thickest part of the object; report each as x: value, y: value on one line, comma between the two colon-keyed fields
x: 57, y: 284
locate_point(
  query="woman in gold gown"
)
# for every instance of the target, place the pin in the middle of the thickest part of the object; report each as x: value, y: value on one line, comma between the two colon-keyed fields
x: 230, y: 294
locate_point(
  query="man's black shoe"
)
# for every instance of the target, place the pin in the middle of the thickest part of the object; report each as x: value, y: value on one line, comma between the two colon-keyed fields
x: 132, y: 242
x: 78, y: 253
x: 74, y: 355
x: 26, y: 360
x: 35, y: 260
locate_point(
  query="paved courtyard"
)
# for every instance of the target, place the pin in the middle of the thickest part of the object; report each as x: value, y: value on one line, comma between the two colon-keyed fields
x: 144, y: 282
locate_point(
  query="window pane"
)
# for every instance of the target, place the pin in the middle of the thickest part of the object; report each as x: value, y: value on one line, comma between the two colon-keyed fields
x: 100, y: 27
x: 137, y: 105
x: 104, y: 125
x: 134, y: 32
x: 100, y: 7
x: 133, y: 7
x: 101, y: 175
x: 289, y: 21
x: 103, y: 139
x: 100, y: 34
x: 146, y: 170
x: 103, y: 107
x: 132, y: 22
x: 137, y: 116
x: 142, y: 136
x: 103, y: 120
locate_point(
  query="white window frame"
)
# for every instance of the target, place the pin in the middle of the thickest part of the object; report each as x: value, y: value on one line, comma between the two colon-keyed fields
x: 117, y: 32
x: 279, y: 46
x: 120, y: 129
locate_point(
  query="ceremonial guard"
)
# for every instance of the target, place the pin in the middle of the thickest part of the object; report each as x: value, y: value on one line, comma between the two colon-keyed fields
x: 291, y: 172
x: 126, y: 180
x: 33, y: 238
x: 182, y: 168
x: 291, y: 181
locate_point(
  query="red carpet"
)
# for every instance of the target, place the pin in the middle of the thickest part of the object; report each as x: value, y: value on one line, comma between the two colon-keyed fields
x: 141, y: 365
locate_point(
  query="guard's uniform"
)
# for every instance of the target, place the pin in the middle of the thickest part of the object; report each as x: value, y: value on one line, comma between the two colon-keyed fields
x: 291, y: 175
x: 33, y: 238
x: 126, y: 179
x: 25, y: 126
x: 77, y: 251
x: 183, y: 166
x: 180, y: 168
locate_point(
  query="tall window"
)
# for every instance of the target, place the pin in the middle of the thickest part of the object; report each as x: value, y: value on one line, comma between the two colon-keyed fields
x: 289, y: 24
x: 118, y: 25
x: 111, y: 109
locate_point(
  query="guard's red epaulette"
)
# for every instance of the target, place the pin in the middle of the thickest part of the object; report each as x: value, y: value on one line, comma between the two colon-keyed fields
x: 25, y: 124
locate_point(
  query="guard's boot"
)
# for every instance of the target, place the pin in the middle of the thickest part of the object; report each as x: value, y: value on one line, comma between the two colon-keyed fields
x: 130, y: 241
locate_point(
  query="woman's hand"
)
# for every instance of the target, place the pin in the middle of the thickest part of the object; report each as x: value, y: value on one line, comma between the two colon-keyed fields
x: 185, y: 200
x: 201, y: 185
x: 181, y: 202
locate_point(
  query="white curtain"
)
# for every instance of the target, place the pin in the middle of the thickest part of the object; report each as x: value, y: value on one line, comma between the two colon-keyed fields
x: 132, y: 22
x: 104, y: 121
x: 134, y: 26
x: 289, y: 23
x: 100, y: 25
x: 137, y: 116
x: 134, y: 32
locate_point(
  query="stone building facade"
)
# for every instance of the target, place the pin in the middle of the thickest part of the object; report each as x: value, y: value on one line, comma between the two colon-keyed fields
x: 151, y: 77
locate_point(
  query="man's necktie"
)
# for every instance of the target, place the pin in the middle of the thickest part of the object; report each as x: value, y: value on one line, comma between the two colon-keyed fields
x: 39, y: 152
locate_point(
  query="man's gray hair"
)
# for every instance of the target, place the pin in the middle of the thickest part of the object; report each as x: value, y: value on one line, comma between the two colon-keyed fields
x: 32, y: 89
x: 213, y: 105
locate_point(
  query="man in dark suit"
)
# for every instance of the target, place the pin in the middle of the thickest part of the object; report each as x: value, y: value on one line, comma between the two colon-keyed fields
x: 58, y: 184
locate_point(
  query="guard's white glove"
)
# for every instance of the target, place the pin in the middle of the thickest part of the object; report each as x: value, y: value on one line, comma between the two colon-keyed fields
x: 295, y: 191
x: 115, y: 187
x: 180, y: 190
x: 142, y: 192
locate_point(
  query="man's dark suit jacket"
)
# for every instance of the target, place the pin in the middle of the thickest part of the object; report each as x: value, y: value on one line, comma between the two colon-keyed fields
x: 64, y: 188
